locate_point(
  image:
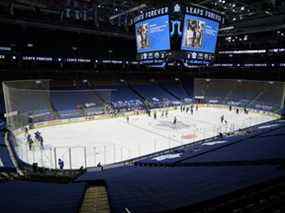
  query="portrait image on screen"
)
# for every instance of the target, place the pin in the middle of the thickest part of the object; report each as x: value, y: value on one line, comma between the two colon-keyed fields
x: 199, y: 34
x: 194, y: 34
x: 153, y: 34
x: 142, y: 36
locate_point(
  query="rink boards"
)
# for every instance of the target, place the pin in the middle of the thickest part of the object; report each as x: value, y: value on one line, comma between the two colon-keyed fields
x: 159, y: 135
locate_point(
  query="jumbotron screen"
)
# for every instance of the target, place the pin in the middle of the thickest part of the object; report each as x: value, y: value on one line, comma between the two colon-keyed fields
x: 153, y: 34
x: 199, y: 34
x: 177, y: 34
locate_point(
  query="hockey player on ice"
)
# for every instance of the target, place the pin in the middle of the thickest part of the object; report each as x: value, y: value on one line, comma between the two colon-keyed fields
x: 174, y: 120
x: 222, y: 118
x: 30, y: 141
x: 26, y: 131
x: 39, y: 138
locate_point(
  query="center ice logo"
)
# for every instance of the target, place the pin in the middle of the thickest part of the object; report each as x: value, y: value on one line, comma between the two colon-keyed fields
x: 169, y: 156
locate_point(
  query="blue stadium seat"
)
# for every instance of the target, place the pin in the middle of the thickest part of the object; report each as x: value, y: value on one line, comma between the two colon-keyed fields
x: 257, y: 148
x: 154, y: 94
x: 67, y: 103
x: 20, y: 196
x: 176, y: 89
x: 122, y: 96
x: 253, y: 94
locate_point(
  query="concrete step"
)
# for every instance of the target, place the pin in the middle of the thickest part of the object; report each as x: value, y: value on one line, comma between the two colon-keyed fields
x: 95, y: 200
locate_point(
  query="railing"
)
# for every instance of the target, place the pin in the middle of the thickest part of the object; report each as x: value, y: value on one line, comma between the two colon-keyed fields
x: 110, y: 155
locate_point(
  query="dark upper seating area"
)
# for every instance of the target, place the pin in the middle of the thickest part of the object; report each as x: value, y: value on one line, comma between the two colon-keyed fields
x: 62, y: 13
x: 22, y: 196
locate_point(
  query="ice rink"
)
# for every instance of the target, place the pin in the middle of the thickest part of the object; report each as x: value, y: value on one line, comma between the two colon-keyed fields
x: 114, y: 139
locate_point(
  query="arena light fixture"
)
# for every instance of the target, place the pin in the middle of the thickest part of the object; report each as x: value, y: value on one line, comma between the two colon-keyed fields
x: 268, y: 13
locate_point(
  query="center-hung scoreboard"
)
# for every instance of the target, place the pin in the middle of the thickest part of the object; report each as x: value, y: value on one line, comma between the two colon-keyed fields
x: 183, y: 33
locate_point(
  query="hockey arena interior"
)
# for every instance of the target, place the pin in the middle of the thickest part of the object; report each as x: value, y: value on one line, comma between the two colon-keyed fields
x: 142, y: 106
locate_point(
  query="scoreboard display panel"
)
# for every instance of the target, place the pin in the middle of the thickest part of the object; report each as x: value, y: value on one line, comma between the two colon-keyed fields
x: 153, y: 34
x: 200, y: 34
x: 177, y: 34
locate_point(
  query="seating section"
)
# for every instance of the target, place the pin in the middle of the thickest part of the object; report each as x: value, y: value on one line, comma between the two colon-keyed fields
x: 260, y: 95
x: 68, y: 99
x: 20, y: 196
x: 70, y: 103
x: 255, y: 149
x: 154, y: 94
x: 188, y: 86
x: 154, y: 189
x: 23, y: 101
x: 121, y: 96
x: 177, y: 89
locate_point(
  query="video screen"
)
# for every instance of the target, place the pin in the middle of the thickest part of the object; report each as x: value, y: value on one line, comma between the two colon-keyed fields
x: 200, y: 34
x: 153, y: 34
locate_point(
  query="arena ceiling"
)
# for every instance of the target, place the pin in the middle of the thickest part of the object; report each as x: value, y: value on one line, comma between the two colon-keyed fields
x: 234, y: 10
x: 245, y: 15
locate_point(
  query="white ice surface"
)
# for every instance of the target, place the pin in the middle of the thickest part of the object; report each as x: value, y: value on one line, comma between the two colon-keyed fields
x: 112, y: 140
